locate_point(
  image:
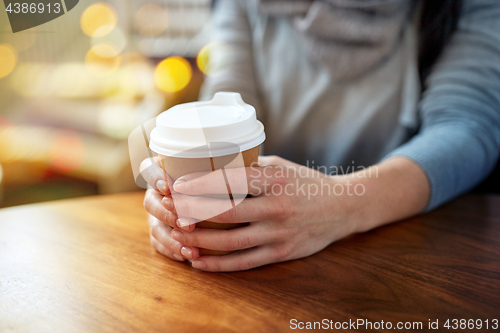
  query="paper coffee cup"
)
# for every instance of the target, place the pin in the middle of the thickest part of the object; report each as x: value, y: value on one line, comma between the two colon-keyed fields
x: 208, y: 136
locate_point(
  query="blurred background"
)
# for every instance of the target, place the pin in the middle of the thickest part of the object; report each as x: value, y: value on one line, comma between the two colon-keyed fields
x: 71, y: 91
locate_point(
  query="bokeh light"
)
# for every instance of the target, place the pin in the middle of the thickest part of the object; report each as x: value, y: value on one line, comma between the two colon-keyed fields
x: 173, y: 74
x: 26, y: 143
x: 134, y: 78
x: 117, y: 119
x: 8, y: 59
x: 203, y: 58
x: 100, y: 66
x: 65, y: 80
x: 151, y: 20
x: 70, y: 80
x: 30, y: 79
x: 109, y: 45
x: 211, y: 55
x: 21, y: 80
x: 105, y: 50
x: 136, y: 75
x: 98, y: 20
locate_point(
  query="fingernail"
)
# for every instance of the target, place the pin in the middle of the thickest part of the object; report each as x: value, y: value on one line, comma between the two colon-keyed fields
x: 186, y: 252
x: 161, y: 185
x: 198, y: 264
x: 178, y: 257
x: 168, y: 203
x: 184, y: 223
x: 176, y: 235
x: 180, y: 185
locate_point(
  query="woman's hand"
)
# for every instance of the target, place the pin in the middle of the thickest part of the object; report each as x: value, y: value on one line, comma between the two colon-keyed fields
x: 294, y: 211
x: 162, y: 217
x: 293, y: 214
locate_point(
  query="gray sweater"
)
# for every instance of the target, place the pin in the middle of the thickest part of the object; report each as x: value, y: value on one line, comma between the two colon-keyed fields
x: 452, y: 131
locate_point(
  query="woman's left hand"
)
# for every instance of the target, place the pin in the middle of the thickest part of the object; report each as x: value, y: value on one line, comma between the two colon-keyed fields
x: 293, y: 213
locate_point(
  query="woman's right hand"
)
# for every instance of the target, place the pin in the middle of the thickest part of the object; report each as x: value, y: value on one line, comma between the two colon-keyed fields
x: 162, y: 217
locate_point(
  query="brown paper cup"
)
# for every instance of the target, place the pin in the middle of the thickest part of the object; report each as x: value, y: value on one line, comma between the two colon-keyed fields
x: 177, y: 167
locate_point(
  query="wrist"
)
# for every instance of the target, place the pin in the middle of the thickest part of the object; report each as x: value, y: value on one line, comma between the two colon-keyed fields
x: 352, y: 202
x: 392, y: 190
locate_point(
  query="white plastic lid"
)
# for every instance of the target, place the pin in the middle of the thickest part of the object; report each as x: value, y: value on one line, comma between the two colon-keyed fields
x: 207, y: 129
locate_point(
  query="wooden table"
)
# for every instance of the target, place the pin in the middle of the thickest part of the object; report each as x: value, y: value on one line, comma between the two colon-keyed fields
x: 85, y: 265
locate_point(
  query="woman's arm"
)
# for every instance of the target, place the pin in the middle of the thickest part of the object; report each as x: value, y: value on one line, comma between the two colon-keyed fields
x: 394, y: 189
x: 459, y: 140
x: 231, y: 61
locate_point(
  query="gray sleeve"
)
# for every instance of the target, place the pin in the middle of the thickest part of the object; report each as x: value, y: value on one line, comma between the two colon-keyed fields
x: 459, y: 141
x: 231, y: 65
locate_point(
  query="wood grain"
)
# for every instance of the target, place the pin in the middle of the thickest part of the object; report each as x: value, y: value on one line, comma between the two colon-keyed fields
x: 85, y: 265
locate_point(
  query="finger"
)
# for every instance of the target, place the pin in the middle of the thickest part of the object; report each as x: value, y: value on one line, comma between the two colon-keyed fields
x: 187, y: 224
x: 290, y: 168
x: 266, y: 160
x: 222, y: 211
x: 154, y: 175
x: 199, y: 208
x: 162, y: 234
x: 165, y: 251
x: 168, y: 202
x: 203, y: 182
x: 250, y: 180
x: 276, y: 160
x: 240, y: 261
x: 153, y: 205
x: 152, y: 221
x: 191, y: 253
x: 227, y: 240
